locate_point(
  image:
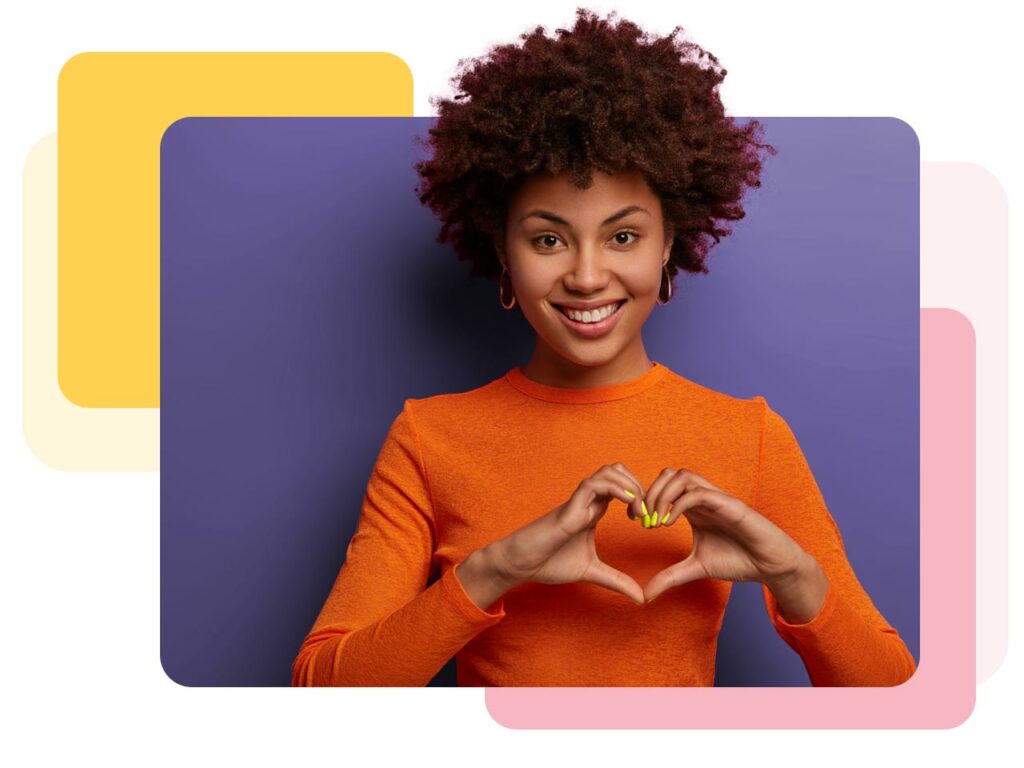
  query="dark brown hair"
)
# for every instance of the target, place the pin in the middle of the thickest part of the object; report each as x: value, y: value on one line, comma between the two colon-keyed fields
x: 600, y: 96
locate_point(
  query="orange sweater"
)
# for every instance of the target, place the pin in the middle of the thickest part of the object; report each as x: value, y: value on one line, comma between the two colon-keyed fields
x: 459, y: 471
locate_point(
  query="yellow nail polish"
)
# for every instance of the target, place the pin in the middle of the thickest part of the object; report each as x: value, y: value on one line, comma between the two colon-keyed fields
x: 647, y: 521
x: 643, y: 506
x: 655, y: 517
x: 629, y: 493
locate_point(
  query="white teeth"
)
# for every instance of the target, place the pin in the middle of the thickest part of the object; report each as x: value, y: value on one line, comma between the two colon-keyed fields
x: 590, y: 316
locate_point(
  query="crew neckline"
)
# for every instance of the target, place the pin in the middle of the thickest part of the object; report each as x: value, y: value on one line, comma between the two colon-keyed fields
x: 553, y: 394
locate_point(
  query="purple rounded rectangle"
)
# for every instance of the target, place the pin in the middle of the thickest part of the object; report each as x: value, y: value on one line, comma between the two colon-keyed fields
x: 303, y: 298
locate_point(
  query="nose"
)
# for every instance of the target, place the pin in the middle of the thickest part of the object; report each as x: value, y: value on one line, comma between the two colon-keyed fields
x: 587, y: 273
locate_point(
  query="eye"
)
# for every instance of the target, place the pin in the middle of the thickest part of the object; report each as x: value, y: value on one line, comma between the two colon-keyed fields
x: 545, y: 238
x: 627, y: 233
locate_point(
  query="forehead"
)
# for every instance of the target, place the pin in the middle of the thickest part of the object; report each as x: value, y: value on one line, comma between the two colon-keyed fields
x: 607, y: 193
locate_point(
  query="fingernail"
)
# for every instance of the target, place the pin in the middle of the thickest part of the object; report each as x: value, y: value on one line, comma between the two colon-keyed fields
x: 647, y: 521
x: 643, y: 506
x: 656, y: 522
x: 629, y: 493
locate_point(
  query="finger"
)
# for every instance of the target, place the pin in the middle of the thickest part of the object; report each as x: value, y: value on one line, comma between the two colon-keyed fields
x: 669, y: 485
x: 676, y: 575
x: 635, y: 503
x: 635, y: 511
x: 604, y: 575
x: 630, y: 487
x: 659, y: 502
x: 589, y: 501
x: 623, y: 468
x: 706, y: 506
x: 634, y: 490
x: 700, y: 480
x: 683, y: 481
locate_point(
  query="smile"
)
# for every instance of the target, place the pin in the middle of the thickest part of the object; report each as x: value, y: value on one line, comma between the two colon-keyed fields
x: 593, y: 323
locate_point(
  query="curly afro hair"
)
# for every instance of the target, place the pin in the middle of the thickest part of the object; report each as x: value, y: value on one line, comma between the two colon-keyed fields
x: 600, y: 96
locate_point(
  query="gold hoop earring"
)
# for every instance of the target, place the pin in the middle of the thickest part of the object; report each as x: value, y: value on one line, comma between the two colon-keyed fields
x: 501, y: 288
x: 669, y: 280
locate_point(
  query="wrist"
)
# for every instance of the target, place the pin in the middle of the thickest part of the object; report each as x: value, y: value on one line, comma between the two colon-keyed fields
x: 800, y: 593
x: 481, y: 579
x: 799, y: 573
x: 492, y: 565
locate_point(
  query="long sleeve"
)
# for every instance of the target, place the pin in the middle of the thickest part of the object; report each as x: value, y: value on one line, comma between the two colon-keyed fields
x: 381, y: 625
x: 849, y: 642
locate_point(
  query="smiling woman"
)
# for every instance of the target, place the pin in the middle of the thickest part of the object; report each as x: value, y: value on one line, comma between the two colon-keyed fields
x: 582, y: 173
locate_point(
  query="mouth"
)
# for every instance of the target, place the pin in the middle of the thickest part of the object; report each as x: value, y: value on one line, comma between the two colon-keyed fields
x: 594, y: 327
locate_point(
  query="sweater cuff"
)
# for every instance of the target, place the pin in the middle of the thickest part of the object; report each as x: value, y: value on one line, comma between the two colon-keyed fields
x: 474, y: 613
x: 840, y: 646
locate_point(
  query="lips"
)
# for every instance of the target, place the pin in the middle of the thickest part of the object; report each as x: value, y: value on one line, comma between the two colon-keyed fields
x: 591, y: 330
x: 617, y: 304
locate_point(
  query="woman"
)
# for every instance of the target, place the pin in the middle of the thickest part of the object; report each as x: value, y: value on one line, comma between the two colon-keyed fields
x: 584, y: 172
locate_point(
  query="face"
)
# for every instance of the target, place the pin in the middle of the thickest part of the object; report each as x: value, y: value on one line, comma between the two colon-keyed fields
x: 595, y: 247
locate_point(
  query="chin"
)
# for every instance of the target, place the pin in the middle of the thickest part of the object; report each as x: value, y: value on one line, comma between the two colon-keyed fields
x: 590, y: 358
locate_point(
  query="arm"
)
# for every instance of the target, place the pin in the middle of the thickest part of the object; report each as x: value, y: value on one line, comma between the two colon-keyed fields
x: 822, y: 611
x: 381, y: 625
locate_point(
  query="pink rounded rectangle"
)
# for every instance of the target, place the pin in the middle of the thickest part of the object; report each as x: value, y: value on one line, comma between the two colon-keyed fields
x: 941, y: 693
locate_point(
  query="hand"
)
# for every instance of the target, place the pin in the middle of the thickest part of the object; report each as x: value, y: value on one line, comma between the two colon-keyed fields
x: 558, y: 548
x: 731, y: 541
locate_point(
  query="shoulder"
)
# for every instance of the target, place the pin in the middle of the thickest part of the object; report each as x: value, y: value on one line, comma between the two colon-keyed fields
x: 471, y: 403
x: 720, y: 404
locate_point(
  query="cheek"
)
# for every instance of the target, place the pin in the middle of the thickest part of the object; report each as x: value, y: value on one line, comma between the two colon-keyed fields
x: 643, y: 281
x: 533, y: 283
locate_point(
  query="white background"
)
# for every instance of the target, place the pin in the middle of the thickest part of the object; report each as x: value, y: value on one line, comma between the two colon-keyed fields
x: 79, y: 551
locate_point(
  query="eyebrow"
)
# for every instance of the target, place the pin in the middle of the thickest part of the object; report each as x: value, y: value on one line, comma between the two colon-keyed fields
x: 540, y: 213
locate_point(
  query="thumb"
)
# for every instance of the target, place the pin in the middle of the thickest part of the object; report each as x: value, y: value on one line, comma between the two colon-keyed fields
x: 675, y: 575
x: 604, y: 575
